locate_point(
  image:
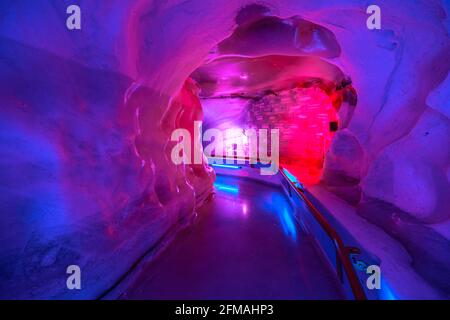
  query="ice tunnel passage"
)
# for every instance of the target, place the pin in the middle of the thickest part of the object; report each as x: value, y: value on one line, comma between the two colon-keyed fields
x: 304, y: 97
x: 87, y: 177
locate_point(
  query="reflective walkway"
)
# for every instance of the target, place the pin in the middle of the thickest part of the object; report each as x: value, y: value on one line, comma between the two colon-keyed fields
x: 244, y: 245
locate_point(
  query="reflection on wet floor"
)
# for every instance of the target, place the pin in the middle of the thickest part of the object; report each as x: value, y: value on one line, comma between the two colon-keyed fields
x: 245, y: 245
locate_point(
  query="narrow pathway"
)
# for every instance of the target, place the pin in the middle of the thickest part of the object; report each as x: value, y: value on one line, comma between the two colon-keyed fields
x: 245, y: 245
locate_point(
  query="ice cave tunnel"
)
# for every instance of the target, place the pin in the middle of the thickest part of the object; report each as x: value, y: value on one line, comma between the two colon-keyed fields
x: 361, y: 174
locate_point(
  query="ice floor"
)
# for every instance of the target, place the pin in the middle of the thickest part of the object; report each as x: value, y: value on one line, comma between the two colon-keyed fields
x: 244, y: 245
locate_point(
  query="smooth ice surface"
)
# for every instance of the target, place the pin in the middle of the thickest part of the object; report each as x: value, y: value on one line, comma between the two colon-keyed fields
x: 245, y: 245
x: 86, y: 118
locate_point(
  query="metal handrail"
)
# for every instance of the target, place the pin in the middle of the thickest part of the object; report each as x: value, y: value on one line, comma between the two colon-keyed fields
x: 342, y: 252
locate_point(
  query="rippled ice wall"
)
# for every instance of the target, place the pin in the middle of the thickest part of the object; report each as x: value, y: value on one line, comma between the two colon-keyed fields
x: 85, y: 176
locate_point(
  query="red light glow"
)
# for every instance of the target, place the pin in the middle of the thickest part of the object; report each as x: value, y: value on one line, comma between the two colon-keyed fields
x: 307, y: 120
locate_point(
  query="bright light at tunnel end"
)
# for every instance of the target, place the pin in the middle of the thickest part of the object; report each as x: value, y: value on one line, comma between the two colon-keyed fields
x: 226, y: 147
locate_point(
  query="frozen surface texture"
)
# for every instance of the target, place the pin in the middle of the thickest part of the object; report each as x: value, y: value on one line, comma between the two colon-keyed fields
x: 204, y: 263
x: 86, y: 119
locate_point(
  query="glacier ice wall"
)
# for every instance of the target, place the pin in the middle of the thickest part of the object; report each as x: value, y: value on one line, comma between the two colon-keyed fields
x: 86, y: 118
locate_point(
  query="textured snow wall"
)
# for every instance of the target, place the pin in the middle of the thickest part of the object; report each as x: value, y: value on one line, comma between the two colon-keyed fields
x: 85, y: 129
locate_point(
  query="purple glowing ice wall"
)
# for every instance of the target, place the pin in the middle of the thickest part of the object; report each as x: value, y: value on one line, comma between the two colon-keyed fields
x: 86, y: 118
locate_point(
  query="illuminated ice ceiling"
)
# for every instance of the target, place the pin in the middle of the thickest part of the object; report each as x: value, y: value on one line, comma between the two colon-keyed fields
x: 87, y: 115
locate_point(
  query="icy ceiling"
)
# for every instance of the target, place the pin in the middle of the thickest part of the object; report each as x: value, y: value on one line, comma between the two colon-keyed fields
x: 267, y: 53
x: 255, y: 77
x: 87, y: 114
